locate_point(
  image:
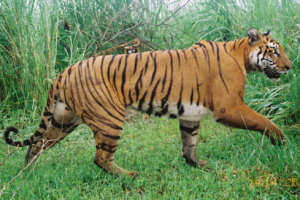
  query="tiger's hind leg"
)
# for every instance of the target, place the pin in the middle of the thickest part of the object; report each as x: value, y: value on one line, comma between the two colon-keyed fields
x: 189, y: 137
x: 107, y: 132
x: 53, y: 128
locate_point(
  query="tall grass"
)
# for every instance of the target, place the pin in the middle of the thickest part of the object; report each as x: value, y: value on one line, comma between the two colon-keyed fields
x: 39, y: 39
x: 28, y: 52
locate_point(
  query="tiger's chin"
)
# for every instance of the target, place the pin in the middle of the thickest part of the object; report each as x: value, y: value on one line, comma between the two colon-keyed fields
x: 275, y: 80
x: 273, y: 75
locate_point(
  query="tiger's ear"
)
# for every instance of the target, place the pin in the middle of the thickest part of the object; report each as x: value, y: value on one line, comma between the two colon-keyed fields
x: 253, y: 36
x: 267, y: 33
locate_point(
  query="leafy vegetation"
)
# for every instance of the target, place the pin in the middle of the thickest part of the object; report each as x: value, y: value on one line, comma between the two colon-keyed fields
x: 38, y: 39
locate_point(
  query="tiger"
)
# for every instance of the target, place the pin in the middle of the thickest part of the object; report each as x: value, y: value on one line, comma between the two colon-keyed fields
x: 188, y: 84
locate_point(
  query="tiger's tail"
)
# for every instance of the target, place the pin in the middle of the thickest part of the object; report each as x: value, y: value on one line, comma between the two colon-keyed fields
x: 23, y: 143
x: 41, y: 129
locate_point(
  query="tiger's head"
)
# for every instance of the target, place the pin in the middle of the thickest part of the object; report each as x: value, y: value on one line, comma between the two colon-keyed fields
x: 267, y: 55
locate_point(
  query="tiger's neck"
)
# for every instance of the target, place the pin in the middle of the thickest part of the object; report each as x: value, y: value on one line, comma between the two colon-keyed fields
x: 240, y: 50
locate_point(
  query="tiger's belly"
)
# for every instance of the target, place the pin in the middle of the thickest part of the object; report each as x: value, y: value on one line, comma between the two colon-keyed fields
x: 191, y: 112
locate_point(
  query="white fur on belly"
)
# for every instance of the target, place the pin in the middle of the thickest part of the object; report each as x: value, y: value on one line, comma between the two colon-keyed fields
x: 194, y: 112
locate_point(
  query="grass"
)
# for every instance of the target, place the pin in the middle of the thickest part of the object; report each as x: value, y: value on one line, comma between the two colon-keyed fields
x: 245, y: 166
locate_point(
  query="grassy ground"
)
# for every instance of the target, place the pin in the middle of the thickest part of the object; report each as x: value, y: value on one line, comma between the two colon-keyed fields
x: 245, y: 166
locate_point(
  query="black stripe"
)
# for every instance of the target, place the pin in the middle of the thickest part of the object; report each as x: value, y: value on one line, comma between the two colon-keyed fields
x: 150, y: 109
x: 130, y: 98
x: 18, y: 143
x: 203, y: 47
x: 188, y: 129
x: 165, y: 109
x: 38, y: 134
x: 26, y: 142
x: 114, y: 78
x: 69, y: 130
x: 64, y: 90
x: 106, y: 147
x: 211, y: 105
x: 192, y: 96
x: 72, y: 94
x: 147, y: 63
x: 115, y: 73
x: 108, y: 150
x: 172, y: 116
x: 234, y: 44
x: 77, y: 88
x: 141, y: 102
x: 198, y: 90
x: 195, y: 57
x: 243, y: 40
x: 164, y: 80
x: 102, y: 61
x: 204, y: 102
x: 184, y: 54
x: 180, y: 107
x: 135, y: 63
x: 138, y: 82
x: 260, y: 51
x: 205, y: 53
x: 59, y: 78
x: 124, y: 78
x: 154, y: 70
x: 82, y: 88
x: 94, y: 59
x: 119, y: 63
x: 109, y: 66
x: 212, y: 46
x: 114, y: 137
x: 265, y: 52
x: 46, y: 113
x: 43, y: 125
x: 178, y: 57
x: 69, y: 71
x: 225, y: 47
x: 165, y: 98
x: 220, y: 71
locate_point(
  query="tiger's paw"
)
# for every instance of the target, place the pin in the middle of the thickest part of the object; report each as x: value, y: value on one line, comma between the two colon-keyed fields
x: 113, y: 168
x: 133, y: 173
x: 197, y: 163
x: 278, y: 140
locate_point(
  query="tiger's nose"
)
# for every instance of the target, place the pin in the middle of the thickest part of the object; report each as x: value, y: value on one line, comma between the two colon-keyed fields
x: 287, y: 67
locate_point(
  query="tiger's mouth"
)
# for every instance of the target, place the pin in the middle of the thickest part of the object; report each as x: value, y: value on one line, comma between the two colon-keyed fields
x: 274, y: 73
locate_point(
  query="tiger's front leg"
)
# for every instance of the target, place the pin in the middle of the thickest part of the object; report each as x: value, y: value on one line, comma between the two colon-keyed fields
x: 189, y: 137
x: 241, y: 116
